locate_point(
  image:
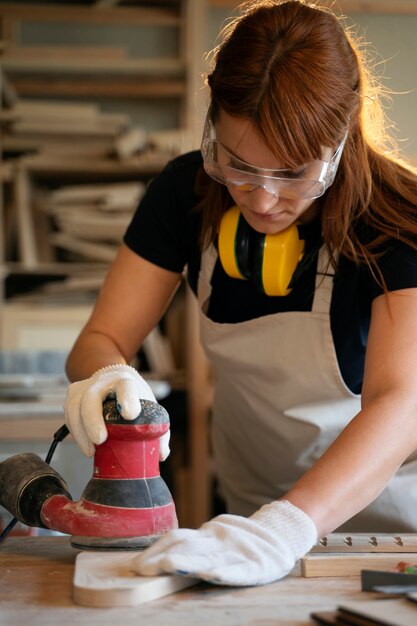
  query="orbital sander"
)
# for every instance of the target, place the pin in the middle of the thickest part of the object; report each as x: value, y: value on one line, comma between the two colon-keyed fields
x: 126, y: 504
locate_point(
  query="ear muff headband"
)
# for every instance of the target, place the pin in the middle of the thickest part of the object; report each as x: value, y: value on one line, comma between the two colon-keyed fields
x: 269, y: 260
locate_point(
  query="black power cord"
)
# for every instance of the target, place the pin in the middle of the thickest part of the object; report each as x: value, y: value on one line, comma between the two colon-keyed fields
x: 59, y: 436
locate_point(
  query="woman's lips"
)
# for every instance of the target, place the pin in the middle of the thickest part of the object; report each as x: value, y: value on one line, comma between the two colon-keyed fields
x: 267, y: 216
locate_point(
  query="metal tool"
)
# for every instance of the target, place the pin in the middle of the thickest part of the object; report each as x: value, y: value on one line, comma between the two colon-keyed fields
x: 125, y: 505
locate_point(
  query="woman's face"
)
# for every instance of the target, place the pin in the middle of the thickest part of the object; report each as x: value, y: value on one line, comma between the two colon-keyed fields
x: 266, y: 212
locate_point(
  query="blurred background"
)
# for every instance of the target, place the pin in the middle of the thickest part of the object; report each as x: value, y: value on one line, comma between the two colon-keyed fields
x: 95, y: 97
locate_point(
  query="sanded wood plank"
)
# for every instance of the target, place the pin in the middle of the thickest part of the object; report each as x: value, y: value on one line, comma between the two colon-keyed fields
x: 104, y: 579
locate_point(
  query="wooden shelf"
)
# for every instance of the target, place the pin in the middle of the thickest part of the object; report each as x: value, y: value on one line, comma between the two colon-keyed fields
x: 102, y: 87
x: 37, y: 165
x: 55, y: 267
x: 77, y: 166
x: 347, y: 6
x: 136, y: 67
x: 146, y: 16
x: 94, y: 71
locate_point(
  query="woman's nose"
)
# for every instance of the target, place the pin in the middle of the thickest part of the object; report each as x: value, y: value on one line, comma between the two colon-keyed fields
x: 262, y: 200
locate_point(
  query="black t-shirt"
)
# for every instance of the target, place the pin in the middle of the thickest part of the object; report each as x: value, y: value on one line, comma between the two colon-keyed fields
x: 165, y: 231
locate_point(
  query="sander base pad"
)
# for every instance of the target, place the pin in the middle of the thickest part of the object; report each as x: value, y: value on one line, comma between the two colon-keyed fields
x: 113, y: 543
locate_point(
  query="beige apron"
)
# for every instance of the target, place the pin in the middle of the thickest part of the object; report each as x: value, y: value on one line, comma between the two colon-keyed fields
x: 279, y: 402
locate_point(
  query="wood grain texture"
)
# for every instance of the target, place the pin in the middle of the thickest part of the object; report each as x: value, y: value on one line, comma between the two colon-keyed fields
x: 331, y: 564
x: 105, y: 579
x: 36, y: 582
x: 387, y: 613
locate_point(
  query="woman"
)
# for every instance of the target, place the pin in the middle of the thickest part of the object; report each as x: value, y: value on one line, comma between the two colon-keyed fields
x: 315, y: 411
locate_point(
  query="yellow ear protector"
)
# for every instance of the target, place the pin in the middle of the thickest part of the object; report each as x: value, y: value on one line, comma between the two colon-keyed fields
x: 269, y: 260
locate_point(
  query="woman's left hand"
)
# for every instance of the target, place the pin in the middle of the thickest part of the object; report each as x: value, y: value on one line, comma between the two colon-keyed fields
x: 233, y: 550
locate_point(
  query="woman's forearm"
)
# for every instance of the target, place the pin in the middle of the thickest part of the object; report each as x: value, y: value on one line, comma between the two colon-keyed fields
x: 92, y: 351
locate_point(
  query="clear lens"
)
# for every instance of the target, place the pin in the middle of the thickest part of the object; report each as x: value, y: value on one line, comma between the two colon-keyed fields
x: 283, y: 187
x: 309, y: 181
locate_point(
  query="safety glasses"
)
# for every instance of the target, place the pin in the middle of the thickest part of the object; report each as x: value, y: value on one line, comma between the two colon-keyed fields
x: 308, y: 181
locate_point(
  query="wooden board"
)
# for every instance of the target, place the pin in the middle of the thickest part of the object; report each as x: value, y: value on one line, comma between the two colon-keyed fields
x: 331, y: 564
x: 36, y: 580
x: 373, y: 612
x: 367, y: 542
x: 370, y: 613
x: 106, y: 579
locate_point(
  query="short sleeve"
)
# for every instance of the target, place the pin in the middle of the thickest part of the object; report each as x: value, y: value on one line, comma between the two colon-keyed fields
x: 163, y: 228
x: 398, y: 266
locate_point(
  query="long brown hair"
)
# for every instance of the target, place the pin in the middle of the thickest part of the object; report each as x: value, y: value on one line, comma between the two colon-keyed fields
x: 296, y: 71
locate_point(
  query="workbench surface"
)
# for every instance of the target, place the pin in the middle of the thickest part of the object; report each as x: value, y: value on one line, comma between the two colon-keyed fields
x: 36, y: 589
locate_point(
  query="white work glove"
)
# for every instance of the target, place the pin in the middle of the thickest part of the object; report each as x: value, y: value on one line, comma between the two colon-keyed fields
x: 233, y: 550
x: 83, y: 406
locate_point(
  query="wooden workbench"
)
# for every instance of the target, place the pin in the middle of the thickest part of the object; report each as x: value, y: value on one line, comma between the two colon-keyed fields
x: 36, y: 590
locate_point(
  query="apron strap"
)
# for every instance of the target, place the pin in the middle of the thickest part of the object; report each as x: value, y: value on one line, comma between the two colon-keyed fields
x: 324, y: 283
x: 209, y: 258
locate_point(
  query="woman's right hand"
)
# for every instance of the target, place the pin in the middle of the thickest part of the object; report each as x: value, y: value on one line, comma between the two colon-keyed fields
x: 84, y: 404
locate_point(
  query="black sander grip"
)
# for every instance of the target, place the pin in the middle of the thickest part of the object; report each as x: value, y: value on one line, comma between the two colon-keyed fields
x: 26, y: 482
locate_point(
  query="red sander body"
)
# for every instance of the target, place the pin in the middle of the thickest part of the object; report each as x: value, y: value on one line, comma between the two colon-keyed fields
x: 125, y: 505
